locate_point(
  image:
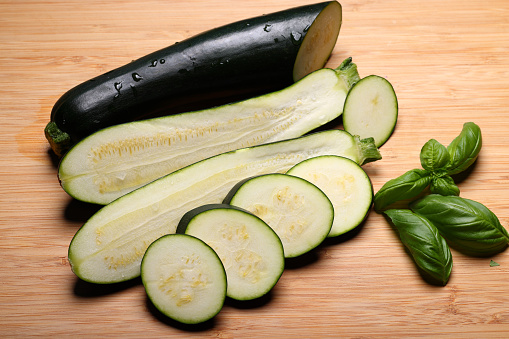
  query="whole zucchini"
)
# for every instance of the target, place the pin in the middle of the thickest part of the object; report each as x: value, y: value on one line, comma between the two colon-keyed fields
x: 245, y: 58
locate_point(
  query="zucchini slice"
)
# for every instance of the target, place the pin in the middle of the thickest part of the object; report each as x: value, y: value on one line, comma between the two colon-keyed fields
x: 184, y: 278
x: 252, y: 254
x: 109, y: 246
x: 119, y: 159
x: 238, y: 60
x: 371, y: 109
x: 298, y: 211
x: 345, y: 183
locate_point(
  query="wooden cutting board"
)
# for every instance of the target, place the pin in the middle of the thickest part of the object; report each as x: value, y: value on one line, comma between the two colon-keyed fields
x: 449, y: 64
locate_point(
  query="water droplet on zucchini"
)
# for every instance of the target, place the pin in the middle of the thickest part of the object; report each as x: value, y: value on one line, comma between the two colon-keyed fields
x: 295, y: 37
x: 136, y: 77
x: 118, y: 86
x: 267, y: 28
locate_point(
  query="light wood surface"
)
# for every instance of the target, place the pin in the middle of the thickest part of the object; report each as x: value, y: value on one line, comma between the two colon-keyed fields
x: 449, y: 64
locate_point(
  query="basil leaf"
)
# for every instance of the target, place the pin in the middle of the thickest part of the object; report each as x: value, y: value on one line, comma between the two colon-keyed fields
x: 493, y: 263
x: 427, y: 247
x: 434, y: 155
x: 464, y: 149
x: 406, y: 186
x: 467, y: 225
x: 444, y: 185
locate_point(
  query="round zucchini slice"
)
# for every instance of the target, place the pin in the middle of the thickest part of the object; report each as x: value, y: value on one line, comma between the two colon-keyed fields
x: 371, y: 109
x: 184, y: 278
x: 346, y: 185
x: 251, y: 252
x: 298, y: 211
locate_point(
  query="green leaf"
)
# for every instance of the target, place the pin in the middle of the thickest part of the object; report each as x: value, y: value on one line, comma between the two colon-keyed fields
x: 406, y: 186
x: 467, y: 225
x: 444, y: 186
x: 428, y: 249
x: 464, y: 149
x: 493, y: 264
x: 434, y: 155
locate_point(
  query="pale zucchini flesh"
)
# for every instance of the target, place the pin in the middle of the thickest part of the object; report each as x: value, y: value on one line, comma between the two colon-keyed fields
x: 345, y: 183
x: 371, y: 109
x: 298, y: 211
x: 184, y: 278
x: 319, y: 41
x: 119, y: 159
x: 251, y: 253
x: 109, y: 246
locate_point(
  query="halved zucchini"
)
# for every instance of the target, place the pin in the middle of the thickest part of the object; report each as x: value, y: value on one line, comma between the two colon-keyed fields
x: 298, y: 211
x: 250, y: 251
x: 109, y: 247
x: 119, y: 159
x: 345, y: 183
x: 184, y: 278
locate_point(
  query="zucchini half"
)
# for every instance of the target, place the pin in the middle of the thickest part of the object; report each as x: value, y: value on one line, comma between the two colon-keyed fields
x: 119, y: 159
x: 111, y: 244
x: 240, y: 59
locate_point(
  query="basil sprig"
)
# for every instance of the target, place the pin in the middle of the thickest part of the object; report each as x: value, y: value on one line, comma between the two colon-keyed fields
x: 467, y: 225
x: 427, y: 247
x: 438, y: 164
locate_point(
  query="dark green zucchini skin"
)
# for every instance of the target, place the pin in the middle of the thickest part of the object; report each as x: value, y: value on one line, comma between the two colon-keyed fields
x: 238, y: 60
x: 188, y: 216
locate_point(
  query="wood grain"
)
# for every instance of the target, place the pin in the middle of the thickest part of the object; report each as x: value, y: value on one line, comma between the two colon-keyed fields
x: 448, y: 62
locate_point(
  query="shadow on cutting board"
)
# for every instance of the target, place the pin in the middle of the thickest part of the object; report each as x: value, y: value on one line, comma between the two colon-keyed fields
x: 85, y: 289
x: 79, y: 211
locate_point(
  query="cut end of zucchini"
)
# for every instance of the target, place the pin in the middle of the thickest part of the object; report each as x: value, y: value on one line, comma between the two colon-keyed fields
x: 319, y: 41
x: 59, y: 141
x: 346, y: 185
x: 184, y: 278
x: 371, y: 109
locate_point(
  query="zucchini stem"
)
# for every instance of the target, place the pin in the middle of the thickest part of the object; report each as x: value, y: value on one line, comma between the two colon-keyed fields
x: 347, y: 71
x: 368, y: 152
x: 60, y: 141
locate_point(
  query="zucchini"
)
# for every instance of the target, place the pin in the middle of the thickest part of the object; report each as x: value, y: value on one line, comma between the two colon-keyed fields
x: 371, y: 109
x: 298, y: 211
x: 250, y: 251
x: 109, y: 246
x: 248, y: 57
x: 184, y: 278
x: 119, y: 159
x: 345, y: 183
